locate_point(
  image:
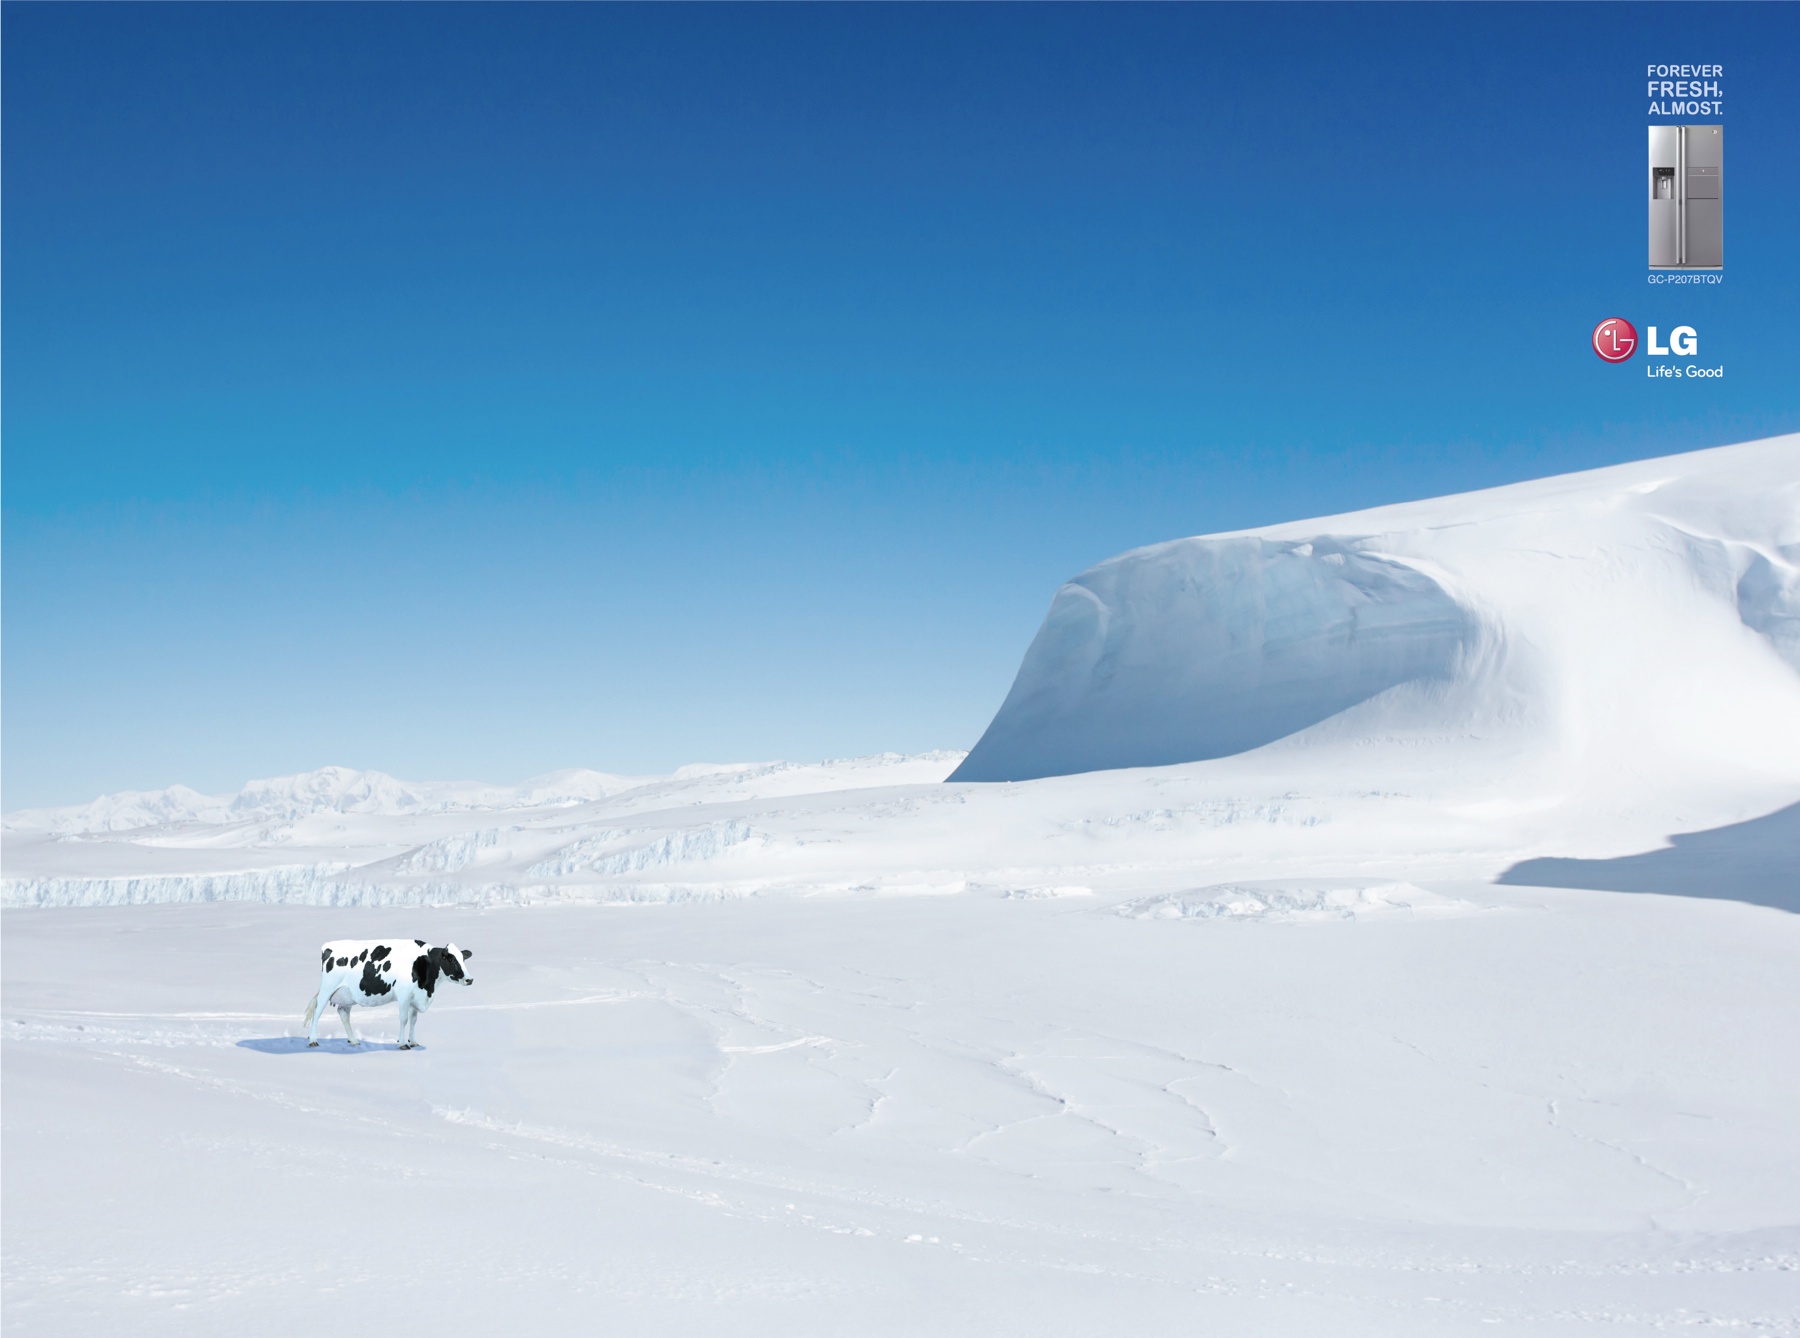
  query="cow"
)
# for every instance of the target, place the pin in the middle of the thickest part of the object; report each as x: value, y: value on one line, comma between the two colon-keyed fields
x: 372, y: 973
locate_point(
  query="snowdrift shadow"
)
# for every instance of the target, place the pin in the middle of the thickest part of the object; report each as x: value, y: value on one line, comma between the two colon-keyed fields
x: 1756, y: 861
x: 296, y: 1045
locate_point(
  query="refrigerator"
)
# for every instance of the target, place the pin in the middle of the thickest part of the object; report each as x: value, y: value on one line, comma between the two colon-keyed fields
x: 1687, y: 218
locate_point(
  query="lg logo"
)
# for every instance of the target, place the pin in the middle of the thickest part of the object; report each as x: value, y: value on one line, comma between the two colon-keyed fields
x: 1616, y: 340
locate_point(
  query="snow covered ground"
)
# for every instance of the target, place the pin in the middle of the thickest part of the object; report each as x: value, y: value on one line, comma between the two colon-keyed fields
x: 1466, y: 1000
x: 1563, y: 1112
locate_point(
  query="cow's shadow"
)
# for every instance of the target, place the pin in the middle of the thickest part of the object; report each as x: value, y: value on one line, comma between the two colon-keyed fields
x: 296, y: 1045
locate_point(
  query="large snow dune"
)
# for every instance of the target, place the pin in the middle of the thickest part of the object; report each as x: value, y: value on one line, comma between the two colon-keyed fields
x: 1640, y: 614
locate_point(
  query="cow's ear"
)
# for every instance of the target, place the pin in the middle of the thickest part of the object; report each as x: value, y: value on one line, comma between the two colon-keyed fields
x: 467, y: 954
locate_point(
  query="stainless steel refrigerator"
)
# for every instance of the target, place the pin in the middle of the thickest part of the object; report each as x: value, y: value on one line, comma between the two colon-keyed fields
x: 1687, y: 204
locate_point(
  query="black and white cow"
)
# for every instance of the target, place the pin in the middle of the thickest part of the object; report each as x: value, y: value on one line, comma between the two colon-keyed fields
x: 373, y: 973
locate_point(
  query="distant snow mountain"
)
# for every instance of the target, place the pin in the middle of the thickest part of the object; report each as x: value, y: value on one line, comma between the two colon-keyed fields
x: 327, y: 790
x: 342, y: 790
x: 1641, y: 614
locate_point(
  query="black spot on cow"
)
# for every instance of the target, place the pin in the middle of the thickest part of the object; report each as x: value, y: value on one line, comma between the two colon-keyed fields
x: 420, y: 942
x: 325, y: 961
x: 381, y: 950
x: 371, y: 984
x: 343, y: 961
x: 425, y: 973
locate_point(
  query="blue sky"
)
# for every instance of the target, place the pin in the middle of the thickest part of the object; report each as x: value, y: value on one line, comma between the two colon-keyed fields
x: 471, y: 391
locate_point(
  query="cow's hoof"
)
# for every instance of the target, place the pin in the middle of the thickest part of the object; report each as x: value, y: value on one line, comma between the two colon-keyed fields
x: 312, y: 1045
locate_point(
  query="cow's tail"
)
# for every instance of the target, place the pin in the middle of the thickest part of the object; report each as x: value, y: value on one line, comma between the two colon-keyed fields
x: 312, y: 1006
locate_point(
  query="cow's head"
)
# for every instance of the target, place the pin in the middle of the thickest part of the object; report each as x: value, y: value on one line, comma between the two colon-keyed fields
x: 435, y: 964
x: 450, y: 961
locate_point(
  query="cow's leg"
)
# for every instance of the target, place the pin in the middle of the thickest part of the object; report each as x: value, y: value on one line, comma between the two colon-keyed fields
x: 350, y: 1031
x: 407, y: 1018
x: 319, y: 1006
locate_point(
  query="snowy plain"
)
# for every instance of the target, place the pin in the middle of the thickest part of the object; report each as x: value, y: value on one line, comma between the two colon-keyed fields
x: 1425, y: 964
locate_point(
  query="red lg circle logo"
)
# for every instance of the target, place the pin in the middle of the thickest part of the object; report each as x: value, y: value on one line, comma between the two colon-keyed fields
x: 1614, y: 339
